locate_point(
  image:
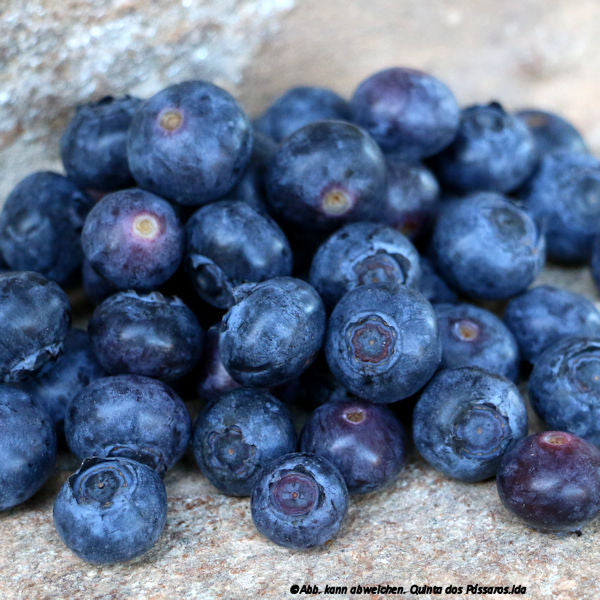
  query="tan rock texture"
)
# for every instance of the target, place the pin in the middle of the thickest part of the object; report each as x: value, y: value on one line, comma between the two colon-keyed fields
x: 425, y: 529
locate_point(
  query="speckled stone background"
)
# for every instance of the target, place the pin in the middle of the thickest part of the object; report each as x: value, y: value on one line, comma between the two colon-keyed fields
x: 425, y: 529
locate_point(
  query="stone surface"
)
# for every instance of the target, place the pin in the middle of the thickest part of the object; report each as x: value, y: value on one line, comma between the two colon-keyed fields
x: 425, y: 529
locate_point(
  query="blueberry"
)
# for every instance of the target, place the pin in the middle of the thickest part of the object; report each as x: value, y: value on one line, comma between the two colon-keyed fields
x: 59, y: 381
x: 564, y: 387
x: 317, y: 385
x: 493, y: 151
x: 237, y: 435
x: 129, y: 416
x: 412, y: 198
x: 383, y: 343
x: 146, y: 334
x: 263, y: 150
x: 487, y: 247
x: 40, y: 225
x: 230, y: 243
x: 35, y: 315
x: 111, y: 510
x: 432, y: 286
x: 273, y: 332
x: 551, y: 480
x: 363, y: 254
x: 364, y: 441
x: 595, y: 262
x: 133, y: 239
x: 474, y: 337
x: 214, y: 378
x: 300, y: 501
x: 408, y: 112
x: 27, y: 447
x: 466, y: 419
x: 545, y: 314
x: 327, y: 174
x: 190, y: 143
x: 93, y: 148
x: 300, y: 106
x: 551, y: 132
x: 251, y: 190
x: 96, y: 287
x: 563, y: 195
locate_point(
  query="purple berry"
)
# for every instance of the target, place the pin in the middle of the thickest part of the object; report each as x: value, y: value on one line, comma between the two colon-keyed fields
x: 133, y: 239
x: 364, y: 441
x: 146, y: 334
x: 551, y: 480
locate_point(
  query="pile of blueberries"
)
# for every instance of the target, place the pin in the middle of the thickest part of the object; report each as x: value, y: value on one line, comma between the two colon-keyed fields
x: 326, y: 258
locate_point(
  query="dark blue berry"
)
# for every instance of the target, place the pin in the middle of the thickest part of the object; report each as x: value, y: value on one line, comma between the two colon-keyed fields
x: 327, y: 174
x: 60, y: 380
x: 493, y: 150
x: 551, y: 132
x: 487, y: 247
x: 251, y: 186
x: 146, y: 334
x: 408, y: 112
x: 251, y: 190
x: 273, y: 332
x: 133, y: 239
x: 545, y: 314
x: 131, y: 416
x: 551, y: 480
x: 190, y: 143
x: 383, y: 343
x: 27, y: 447
x: 466, y: 419
x: 412, y: 199
x: 214, y: 378
x: 564, y: 386
x: 563, y: 196
x: 595, y: 262
x: 230, y: 243
x: 40, y: 226
x: 93, y: 147
x: 237, y: 435
x: 364, y: 441
x: 35, y: 315
x: 474, y: 337
x: 363, y: 254
x: 298, y: 107
x: 299, y: 501
x: 111, y: 510
x: 432, y: 286
x: 96, y: 287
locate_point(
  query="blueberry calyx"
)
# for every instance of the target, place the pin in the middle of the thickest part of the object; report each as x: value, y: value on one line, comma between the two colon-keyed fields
x: 371, y: 339
x: 147, y: 226
x: 381, y: 268
x: 209, y: 281
x: 481, y: 431
x: 170, y: 119
x: 99, y: 481
x: 294, y: 494
x: 465, y: 330
x: 32, y: 362
x: 337, y: 201
x: 151, y: 457
x: 229, y: 450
